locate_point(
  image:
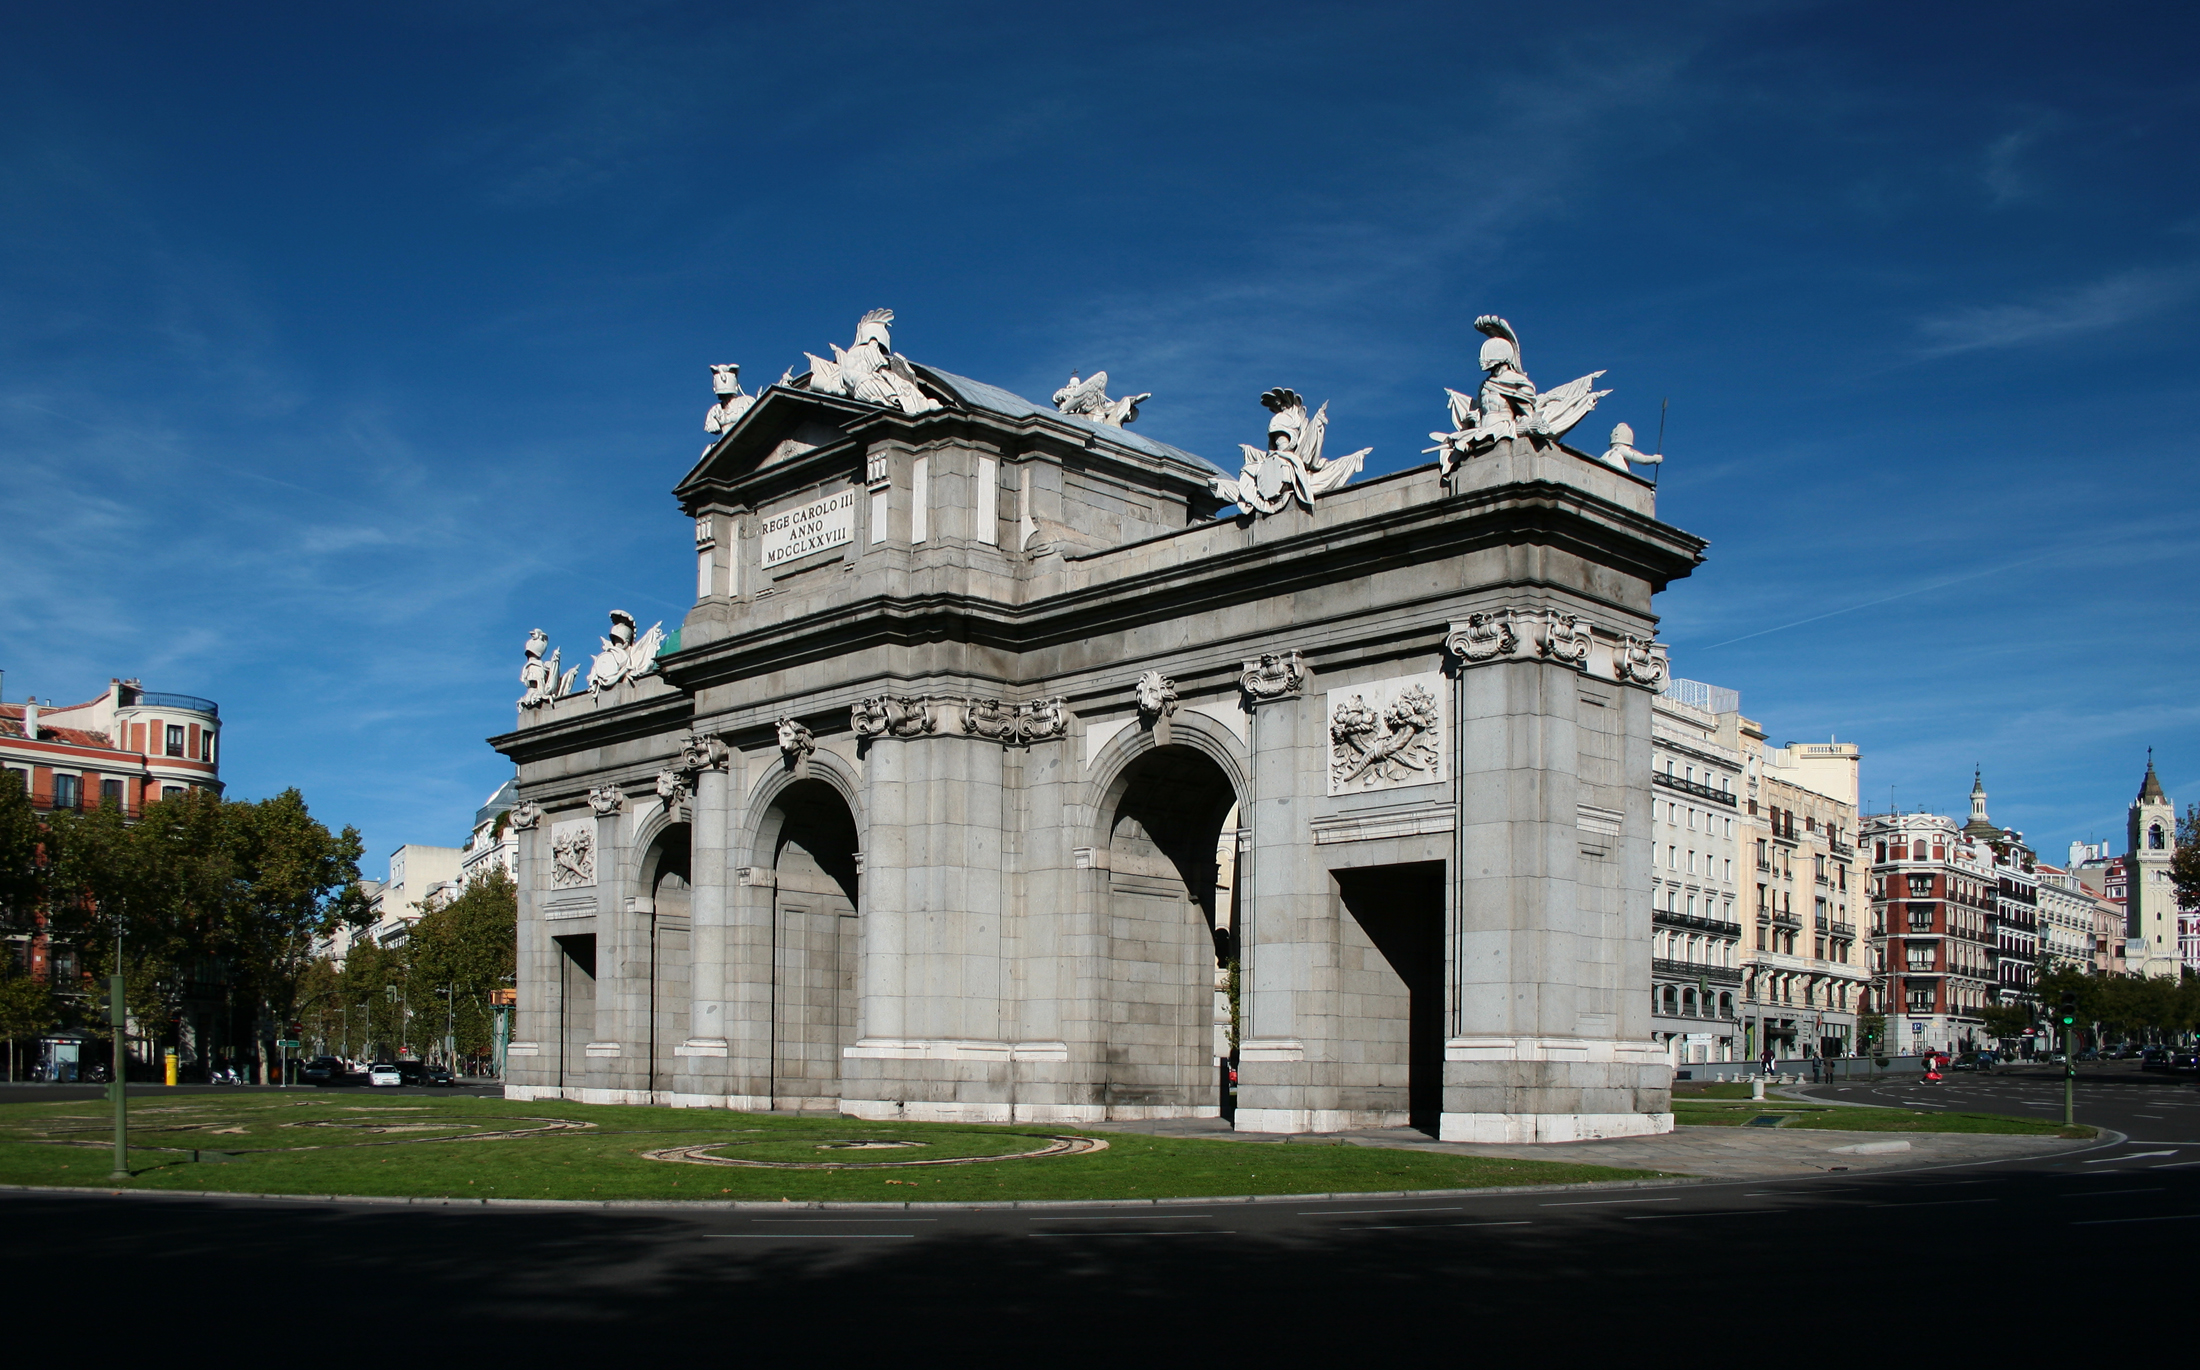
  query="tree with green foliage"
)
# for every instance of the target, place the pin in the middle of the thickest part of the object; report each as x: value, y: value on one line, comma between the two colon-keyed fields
x: 228, y: 892
x: 27, y: 1008
x: 465, y: 949
x: 2006, y: 1021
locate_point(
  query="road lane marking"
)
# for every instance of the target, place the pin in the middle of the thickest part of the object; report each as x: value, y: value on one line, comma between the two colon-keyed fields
x: 1724, y: 1213
x: 1932, y: 1203
x: 2164, y: 1218
x: 1583, y: 1203
x: 2112, y: 1193
x: 844, y: 1220
x: 2130, y: 1156
x: 1107, y: 1217
x: 1423, y: 1227
x: 1187, y: 1232
x: 2173, y: 1165
x: 1354, y: 1212
x: 813, y: 1236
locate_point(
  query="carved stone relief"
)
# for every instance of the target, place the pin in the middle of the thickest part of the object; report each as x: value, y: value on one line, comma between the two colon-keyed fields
x: 795, y: 742
x: 672, y: 787
x: 1276, y: 675
x: 703, y: 752
x: 1011, y: 724
x: 606, y: 799
x: 1484, y: 637
x: 1388, y: 734
x: 1640, y: 661
x: 525, y: 814
x: 573, y: 853
x: 1564, y: 637
x: 891, y: 716
x: 1156, y: 696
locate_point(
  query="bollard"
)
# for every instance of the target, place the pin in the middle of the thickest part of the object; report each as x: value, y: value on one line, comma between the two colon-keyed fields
x: 168, y: 1066
x: 1757, y: 1088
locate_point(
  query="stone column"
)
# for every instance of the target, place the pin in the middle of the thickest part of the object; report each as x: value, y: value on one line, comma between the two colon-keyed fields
x: 700, y: 1080
x: 1280, y: 889
x: 934, y: 1038
x: 1553, y: 1040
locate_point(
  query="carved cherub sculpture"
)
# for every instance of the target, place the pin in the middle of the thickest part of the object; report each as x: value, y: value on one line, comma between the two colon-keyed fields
x: 1293, y: 466
x: 871, y: 370
x: 1508, y: 406
x: 1089, y: 400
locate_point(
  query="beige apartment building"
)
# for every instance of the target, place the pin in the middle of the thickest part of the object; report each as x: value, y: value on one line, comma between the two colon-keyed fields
x: 1802, y: 974
x: 1696, y: 870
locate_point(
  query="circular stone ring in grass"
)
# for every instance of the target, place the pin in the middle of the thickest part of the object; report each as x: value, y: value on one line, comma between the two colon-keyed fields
x: 701, y: 1155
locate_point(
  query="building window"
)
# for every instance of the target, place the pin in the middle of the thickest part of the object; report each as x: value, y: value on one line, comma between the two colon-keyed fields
x: 110, y: 792
x: 68, y: 791
x: 2154, y: 837
x: 206, y: 746
x: 171, y: 791
x: 175, y: 739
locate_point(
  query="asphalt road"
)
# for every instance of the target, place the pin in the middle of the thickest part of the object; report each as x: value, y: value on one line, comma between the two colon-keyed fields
x: 1969, y: 1260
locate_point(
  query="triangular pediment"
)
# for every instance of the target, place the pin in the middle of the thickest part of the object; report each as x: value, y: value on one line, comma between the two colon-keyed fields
x: 783, y: 425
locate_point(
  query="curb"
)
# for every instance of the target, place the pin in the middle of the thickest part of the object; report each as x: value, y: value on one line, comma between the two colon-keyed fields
x: 794, y: 1205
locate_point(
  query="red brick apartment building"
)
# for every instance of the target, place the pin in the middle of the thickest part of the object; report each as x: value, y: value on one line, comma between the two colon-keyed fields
x: 126, y: 747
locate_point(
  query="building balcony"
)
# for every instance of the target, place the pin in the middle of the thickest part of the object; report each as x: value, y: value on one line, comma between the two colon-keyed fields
x: 49, y: 803
x: 1696, y: 788
x: 1841, y: 929
x: 1840, y: 848
x: 147, y: 699
x: 1690, y: 970
x: 1689, y: 920
x: 1786, y: 920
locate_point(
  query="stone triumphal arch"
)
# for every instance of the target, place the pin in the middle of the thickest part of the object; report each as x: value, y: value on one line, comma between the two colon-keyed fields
x: 1012, y: 765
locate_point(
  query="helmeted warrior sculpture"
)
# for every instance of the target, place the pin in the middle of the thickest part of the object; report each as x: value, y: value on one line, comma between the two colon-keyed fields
x: 1088, y: 399
x: 542, y: 678
x: 870, y: 371
x: 1293, y: 466
x: 725, y: 382
x: 624, y: 657
x: 1508, y: 405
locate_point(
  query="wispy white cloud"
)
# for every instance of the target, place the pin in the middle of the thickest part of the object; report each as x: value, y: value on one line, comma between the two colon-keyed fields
x: 2125, y: 297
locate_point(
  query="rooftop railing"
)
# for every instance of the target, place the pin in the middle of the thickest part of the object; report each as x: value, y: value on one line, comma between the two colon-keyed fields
x: 148, y: 699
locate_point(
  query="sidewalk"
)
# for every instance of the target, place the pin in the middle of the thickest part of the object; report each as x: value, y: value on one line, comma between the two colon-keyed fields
x: 1726, y: 1153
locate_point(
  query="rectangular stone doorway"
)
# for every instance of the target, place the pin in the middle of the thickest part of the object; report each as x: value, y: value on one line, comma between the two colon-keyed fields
x: 1391, y: 984
x: 576, y: 1004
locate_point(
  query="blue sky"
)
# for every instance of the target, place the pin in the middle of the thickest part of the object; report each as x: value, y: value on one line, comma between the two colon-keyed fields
x: 339, y: 349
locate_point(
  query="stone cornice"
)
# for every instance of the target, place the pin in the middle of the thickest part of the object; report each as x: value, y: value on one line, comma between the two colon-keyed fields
x: 1262, y: 568
x: 641, y: 718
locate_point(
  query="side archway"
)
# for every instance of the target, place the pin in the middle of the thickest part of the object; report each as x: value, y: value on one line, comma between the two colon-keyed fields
x: 1169, y: 932
x: 805, y: 860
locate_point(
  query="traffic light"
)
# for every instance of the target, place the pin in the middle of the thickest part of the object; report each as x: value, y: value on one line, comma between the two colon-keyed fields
x: 2069, y: 1017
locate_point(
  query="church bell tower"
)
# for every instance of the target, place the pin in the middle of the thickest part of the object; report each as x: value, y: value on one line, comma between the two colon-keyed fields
x: 2151, y: 904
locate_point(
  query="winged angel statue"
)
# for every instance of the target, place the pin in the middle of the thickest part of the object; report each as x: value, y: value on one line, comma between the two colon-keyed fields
x: 871, y: 370
x: 1293, y: 466
x: 1509, y: 405
x: 1089, y: 400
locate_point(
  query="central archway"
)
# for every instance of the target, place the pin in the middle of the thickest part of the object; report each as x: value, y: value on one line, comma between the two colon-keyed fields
x: 1170, y: 929
x: 808, y: 841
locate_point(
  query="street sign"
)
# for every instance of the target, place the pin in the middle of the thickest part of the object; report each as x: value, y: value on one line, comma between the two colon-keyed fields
x: 1917, y: 1027
x: 290, y: 1042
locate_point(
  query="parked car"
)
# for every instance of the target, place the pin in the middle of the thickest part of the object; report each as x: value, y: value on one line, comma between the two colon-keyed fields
x: 322, y: 1070
x: 385, y: 1075
x: 1972, y: 1060
x: 2124, y: 1051
x: 2154, y: 1058
x: 2184, y: 1060
x: 437, y: 1075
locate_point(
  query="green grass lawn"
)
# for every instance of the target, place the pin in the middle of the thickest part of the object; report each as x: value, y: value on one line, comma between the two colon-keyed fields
x: 1717, y: 1111
x: 351, y: 1143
